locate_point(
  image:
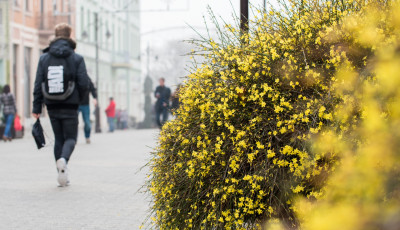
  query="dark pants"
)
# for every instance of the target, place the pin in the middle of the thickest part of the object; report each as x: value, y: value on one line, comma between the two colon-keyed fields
x: 9, y: 122
x: 65, y: 128
x: 161, y: 110
x: 85, y: 110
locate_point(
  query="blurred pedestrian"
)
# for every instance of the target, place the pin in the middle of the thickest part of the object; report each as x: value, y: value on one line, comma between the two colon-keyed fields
x: 175, y: 100
x: 110, y: 112
x: 162, y: 94
x: 84, y: 108
x: 124, y: 117
x: 118, y: 118
x: 9, y: 110
x: 61, y: 83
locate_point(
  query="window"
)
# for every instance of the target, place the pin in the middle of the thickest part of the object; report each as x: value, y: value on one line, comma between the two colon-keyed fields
x: 41, y: 17
x: 132, y: 43
x: 93, y: 27
x: 27, y: 80
x: 82, y: 20
x: 15, y: 69
x: 119, y: 40
x: 27, y: 7
x: 54, y: 6
x: 42, y: 6
x: 114, y: 34
x: 87, y: 26
x: 100, y: 33
x: 124, y: 41
x: 107, y: 35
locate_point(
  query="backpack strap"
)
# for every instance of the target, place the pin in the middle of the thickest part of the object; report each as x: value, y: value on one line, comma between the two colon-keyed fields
x: 68, y: 92
x: 71, y: 84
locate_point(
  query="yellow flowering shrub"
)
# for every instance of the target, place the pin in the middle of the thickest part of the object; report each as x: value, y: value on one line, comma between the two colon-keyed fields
x: 239, y: 150
x: 364, y: 191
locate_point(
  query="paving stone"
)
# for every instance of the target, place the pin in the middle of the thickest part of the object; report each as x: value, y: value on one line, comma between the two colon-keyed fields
x: 105, y: 178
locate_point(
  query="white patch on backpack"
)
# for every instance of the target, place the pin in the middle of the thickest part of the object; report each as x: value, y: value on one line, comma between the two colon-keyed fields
x: 55, y: 78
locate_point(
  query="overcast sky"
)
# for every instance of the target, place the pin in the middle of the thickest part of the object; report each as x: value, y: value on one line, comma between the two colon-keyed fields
x: 166, y: 20
x: 169, y: 19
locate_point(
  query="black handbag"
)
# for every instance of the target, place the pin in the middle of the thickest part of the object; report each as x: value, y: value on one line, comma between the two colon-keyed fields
x: 37, y: 132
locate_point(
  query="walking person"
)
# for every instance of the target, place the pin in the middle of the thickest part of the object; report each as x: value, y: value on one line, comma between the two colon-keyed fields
x: 84, y: 108
x: 163, y: 95
x: 9, y: 110
x: 61, y: 83
x: 110, y: 112
x: 175, y: 100
x: 124, y: 119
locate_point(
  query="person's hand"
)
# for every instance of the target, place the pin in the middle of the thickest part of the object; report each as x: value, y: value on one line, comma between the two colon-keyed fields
x: 164, y: 104
x: 36, y: 115
x: 95, y: 102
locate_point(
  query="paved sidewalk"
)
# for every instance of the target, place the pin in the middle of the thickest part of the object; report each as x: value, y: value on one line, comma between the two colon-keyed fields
x: 105, y: 177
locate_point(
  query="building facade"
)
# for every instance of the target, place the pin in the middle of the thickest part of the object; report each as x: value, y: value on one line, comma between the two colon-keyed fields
x: 4, y: 42
x: 27, y: 27
x: 23, y: 52
x: 117, y: 24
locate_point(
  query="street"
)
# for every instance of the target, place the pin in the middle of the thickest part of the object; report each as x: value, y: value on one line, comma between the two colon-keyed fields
x: 105, y: 180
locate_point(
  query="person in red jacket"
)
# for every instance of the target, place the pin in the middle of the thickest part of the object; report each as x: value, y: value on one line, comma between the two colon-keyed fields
x: 110, y: 111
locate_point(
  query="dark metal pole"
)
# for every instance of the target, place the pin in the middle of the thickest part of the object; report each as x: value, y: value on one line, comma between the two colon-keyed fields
x: 97, y: 110
x: 244, y: 16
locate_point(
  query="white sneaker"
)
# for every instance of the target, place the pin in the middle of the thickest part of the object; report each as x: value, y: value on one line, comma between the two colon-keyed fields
x: 62, y: 172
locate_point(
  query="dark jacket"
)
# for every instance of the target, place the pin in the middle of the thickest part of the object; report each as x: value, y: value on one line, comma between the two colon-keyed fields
x: 164, y: 95
x: 92, y: 90
x: 61, y: 48
x: 8, y: 102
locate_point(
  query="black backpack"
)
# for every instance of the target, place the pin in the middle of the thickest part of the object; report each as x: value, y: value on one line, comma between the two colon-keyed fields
x: 59, y: 79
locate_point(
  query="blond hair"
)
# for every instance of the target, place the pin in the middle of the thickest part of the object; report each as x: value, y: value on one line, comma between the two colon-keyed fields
x: 63, y: 30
